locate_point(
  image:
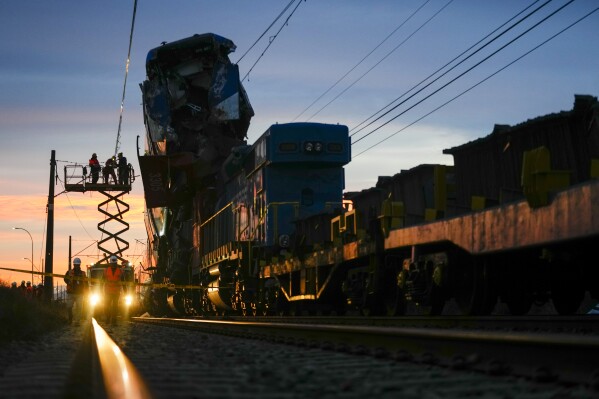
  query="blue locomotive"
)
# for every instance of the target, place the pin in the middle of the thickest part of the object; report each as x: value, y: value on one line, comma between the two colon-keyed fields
x: 267, y: 227
x: 292, y: 172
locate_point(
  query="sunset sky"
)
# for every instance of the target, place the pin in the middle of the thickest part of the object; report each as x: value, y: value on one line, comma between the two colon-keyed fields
x: 62, y: 72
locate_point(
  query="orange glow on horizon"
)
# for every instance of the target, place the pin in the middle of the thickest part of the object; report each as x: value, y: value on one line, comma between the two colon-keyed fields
x: 75, y: 215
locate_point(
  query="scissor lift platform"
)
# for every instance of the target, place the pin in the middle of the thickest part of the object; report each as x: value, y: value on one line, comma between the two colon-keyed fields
x: 83, y: 186
x: 76, y: 179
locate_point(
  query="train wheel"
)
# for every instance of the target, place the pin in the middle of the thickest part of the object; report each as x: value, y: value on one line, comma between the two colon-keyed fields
x: 475, y: 293
x: 567, y: 289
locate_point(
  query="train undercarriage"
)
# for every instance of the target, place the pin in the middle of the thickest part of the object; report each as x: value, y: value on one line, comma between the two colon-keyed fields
x: 449, y: 282
x: 438, y: 275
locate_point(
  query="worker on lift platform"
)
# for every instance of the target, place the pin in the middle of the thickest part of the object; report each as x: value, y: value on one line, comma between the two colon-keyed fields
x: 108, y: 171
x: 94, y: 165
x: 123, y: 169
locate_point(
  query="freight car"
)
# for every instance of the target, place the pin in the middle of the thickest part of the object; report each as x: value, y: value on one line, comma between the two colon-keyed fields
x: 267, y: 228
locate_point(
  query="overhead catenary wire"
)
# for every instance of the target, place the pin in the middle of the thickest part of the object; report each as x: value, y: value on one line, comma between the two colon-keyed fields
x: 449, y: 63
x: 465, y: 72
x: 73, y: 208
x: 362, y: 60
x: 81, y: 252
x: 118, y: 134
x: 481, y: 81
x: 272, y: 39
x: 266, y: 30
x: 381, y: 60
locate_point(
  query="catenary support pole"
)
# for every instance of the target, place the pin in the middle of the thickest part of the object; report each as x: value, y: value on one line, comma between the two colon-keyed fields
x: 49, y: 264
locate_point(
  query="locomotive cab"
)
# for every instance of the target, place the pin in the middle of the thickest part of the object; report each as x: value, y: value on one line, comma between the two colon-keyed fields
x: 292, y: 171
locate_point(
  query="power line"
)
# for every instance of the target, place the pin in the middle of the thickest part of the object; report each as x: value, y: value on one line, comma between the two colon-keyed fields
x: 272, y: 39
x: 483, y: 80
x: 362, y: 60
x: 381, y: 60
x: 72, y: 207
x: 267, y: 29
x: 449, y: 63
x: 118, y: 134
x: 465, y: 72
x: 81, y: 252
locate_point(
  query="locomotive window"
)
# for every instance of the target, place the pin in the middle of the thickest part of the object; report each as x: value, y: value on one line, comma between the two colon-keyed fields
x: 288, y: 147
x: 335, y: 147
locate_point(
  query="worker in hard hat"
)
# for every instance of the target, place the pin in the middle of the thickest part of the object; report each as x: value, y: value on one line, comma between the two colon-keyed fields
x: 113, y: 277
x: 76, y: 281
x: 123, y: 169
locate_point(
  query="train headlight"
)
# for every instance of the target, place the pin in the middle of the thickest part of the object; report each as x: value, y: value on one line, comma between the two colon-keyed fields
x: 128, y: 300
x: 313, y: 147
x: 94, y: 299
x: 284, y: 241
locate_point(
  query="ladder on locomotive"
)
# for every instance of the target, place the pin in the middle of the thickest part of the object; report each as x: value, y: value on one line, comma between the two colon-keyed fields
x: 115, y: 207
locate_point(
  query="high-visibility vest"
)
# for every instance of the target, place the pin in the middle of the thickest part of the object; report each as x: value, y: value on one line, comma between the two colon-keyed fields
x: 113, y: 280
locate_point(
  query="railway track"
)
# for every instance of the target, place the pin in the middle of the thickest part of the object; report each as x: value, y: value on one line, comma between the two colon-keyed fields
x: 270, y: 359
x: 579, y: 324
x: 566, y: 358
x: 81, y: 361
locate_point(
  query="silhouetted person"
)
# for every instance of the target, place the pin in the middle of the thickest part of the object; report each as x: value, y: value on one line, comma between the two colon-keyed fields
x: 76, y: 289
x: 108, y: 171
x: 123, y: 169
x: 94, y: 165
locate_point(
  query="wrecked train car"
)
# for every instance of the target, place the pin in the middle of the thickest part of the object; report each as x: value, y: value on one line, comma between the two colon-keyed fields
x: 195, y: 111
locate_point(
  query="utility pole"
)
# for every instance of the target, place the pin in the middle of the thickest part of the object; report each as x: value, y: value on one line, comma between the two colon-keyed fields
x: 69, y: 253
x: 49, y: 264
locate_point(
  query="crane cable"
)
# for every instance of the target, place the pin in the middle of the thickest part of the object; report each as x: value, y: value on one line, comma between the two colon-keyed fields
x: 118, y: 134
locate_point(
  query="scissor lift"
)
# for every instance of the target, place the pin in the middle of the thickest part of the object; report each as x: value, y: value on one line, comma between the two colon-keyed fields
x: 77, y: 179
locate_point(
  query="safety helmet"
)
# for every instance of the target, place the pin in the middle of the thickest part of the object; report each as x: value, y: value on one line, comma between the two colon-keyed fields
x: 113, y: 259
x: 22, y: 281
x: 29, y: 283
x: 76, y: 261
x: 14, y: 284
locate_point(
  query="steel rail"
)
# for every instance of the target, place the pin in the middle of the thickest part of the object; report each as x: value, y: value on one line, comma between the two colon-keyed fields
x: 545, y: 357
x: 582, y: 323
x: 101, y: 370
